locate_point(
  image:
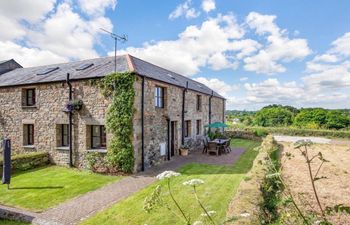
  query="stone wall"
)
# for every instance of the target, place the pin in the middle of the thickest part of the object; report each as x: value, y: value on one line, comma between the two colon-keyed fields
x: 48, y: 114
x: 156, y: 119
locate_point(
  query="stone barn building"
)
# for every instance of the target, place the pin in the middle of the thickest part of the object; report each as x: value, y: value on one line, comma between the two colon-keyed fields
x: 170, y: 109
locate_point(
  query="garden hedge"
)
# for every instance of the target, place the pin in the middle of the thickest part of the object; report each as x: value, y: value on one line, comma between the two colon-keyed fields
x: 22, y: 162
x: 263, y: 131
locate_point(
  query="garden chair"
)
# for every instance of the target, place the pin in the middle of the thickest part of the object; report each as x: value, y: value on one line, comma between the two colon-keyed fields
x: 205, y: 145
x: 227, y: 146
x: 213, y: 147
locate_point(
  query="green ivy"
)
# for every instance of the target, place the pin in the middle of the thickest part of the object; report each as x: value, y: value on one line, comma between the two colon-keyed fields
x: 119, y: 119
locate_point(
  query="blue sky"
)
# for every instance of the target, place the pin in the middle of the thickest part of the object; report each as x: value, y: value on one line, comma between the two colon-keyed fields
x: 253, y: 52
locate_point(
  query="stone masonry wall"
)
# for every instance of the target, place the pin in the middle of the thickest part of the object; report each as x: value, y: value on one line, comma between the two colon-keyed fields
x: 156, y: 126
x: 47, y: 115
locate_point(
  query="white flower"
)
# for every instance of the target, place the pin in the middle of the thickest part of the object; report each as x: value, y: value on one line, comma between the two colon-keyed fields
x: 193, y: 182
x: 209, y: 212
x: 167, y: 174
x: 198, y: 222
x: 245, y: 214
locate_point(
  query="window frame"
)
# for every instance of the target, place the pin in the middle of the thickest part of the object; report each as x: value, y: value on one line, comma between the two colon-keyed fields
x: 159, y: 96
x: 63, y: 135
x: 102, y: 137
x: 187, y: 128
x: 30, y: 101
x: 199, y: 127
x: 199, y: 103
x: 30, y: 134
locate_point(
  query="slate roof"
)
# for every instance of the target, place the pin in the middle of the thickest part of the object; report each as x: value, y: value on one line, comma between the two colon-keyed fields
x: 100, y: 68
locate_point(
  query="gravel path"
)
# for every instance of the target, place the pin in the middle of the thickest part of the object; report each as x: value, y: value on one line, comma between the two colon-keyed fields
x: 82, y: 207
x: 317, y: 140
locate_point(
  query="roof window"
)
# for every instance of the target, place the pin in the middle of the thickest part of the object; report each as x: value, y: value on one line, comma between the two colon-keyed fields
x: 47, y: 70
x: 84, y: 66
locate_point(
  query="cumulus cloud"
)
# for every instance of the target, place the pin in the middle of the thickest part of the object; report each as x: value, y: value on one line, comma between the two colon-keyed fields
x: 279, y: 47
x: 209, y: 44
x: 96, y: 7
x: 185, y: 10
x: 226, y: 90
x: 28, y: 57
x: 52, y: 33
x: 208, y: 5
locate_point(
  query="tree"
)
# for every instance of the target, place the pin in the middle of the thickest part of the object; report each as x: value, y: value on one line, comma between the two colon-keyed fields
x: 273, y: 117
x: 311, y: 118
x: 337, y: 120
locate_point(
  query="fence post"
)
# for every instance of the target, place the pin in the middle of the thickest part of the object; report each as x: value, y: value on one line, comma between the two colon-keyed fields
x: 6, y: 172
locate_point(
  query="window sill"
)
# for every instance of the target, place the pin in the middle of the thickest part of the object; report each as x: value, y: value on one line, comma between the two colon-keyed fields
x: 29, y: 146
x: 99, y: 150
x: 29, y: 107
x: 63, y: 148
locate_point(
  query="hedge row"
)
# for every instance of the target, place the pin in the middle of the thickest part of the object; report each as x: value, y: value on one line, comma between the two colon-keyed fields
x: 247, y: 206
x: 263, y: 131
x: 22, y: 162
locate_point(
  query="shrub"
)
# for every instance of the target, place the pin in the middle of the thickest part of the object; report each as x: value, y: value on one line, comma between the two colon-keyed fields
x: 273, y: 116
x: 22, y: 162
x: 295, y: 132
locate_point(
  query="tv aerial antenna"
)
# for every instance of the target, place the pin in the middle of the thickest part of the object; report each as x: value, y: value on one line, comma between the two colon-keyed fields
x: 122, y: 38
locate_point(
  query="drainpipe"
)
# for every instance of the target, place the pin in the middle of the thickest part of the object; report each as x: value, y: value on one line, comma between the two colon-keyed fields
x: 70, y: 123
x: 183, y: 114
x: 142, y: 125
x: 211, y: 96
x: 223, y: 114
x: 168, y: 122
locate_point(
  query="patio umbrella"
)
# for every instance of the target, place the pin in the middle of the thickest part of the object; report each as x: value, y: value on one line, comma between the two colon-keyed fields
x: 216, y: 125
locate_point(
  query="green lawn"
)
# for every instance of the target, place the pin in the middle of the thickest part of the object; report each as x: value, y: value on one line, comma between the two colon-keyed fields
x: 220, y: 185
x: 10, y: 222
x: 42, y: 188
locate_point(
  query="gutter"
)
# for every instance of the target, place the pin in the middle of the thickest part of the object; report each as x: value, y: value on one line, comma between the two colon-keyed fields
x: 70, y: 123
x: 183, y: 114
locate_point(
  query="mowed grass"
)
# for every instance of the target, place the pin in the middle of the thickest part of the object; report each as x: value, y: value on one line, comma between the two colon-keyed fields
x: 221, y: 182
x: 10, y: 222
x: 45, y: 187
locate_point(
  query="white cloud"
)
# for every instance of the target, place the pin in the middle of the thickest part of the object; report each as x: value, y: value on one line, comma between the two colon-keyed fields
x: 272, y: 91
x: 243, y: 78
x: 185, y: 10
x: 342, y: 45
x: 208, y: 5
x: 210, y: 44
x: 13, y: 13
x: 67, y: 34
x: 279, y: 47
x: 28, y: 57
x: 219, y: 86
x: 224, y: 89
x: 52, y: 33
x: 330, y: 71
x: 96, y: 7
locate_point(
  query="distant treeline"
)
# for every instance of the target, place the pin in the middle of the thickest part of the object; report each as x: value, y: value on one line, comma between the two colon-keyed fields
x: 288, y: 116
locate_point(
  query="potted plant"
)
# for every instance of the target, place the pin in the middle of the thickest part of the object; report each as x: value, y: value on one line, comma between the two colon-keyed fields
x: 184, y: 150
x: 74, y: 105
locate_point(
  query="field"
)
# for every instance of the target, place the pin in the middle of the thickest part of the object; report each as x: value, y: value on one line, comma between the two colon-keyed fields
x: 333, y: 190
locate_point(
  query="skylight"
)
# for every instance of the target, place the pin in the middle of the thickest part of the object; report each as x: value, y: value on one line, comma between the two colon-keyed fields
x: 172, y: 77
x: 47, y: 70
x: 84, y: 66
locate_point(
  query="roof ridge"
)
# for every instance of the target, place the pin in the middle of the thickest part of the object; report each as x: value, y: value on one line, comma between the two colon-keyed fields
x: 172, y: 72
